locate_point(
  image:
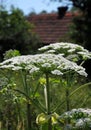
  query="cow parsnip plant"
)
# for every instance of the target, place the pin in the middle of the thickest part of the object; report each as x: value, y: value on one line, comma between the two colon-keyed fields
x: 79, y: 119
x: 70, y: 51
x: 47, y: 65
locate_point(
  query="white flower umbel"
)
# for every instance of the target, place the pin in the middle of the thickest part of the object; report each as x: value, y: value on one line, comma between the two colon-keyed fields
x: 45, y: 63
x: 80, y: 116
x: 67, y: 49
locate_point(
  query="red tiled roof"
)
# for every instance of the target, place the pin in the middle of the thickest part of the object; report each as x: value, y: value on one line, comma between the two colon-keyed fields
x: 49, y: 27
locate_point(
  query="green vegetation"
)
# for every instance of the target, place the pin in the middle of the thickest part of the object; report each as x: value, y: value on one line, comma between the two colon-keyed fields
x: 44, y: 91
x: 16, y: 32
x: 37, y: 89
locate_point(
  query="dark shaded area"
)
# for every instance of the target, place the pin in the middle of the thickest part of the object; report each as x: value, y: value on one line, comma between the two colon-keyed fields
x: 81, y: 28
x: 87, y: 65
x: 62, y: 11
x: 16, y: 33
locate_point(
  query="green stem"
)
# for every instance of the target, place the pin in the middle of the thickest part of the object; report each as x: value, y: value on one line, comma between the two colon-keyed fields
x: 29, y: 117
x: 23, y: 75
x: 48, y: 101
x: 31, y: 100
x: 82, y: 63
x: 67, y: 100
x: 24, y: 79
x: 82, y: 86
x: 48, y: 94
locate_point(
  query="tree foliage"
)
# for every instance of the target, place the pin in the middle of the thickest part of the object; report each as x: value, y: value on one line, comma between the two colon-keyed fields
x: 16, y: 32
x: 81, y: 27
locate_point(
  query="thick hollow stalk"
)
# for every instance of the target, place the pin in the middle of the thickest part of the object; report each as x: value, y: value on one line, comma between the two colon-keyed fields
x: 29, y: 120
x: 48, y: 101
x: 67, y: 100
x: 48, y: 94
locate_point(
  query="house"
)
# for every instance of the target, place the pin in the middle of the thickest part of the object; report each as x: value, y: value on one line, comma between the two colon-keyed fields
x: 54, y: 26
x: 51, y: 27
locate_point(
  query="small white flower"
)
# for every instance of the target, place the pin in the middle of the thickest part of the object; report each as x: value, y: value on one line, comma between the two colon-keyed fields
x: 87, y: 120
x: 46, y: 65
x: 7, y: 66
x: 56, y: 72
x: 85, y: 54
x: 17, y: 68
x: 81, y: 72
x: 51, y: 51
x: 34, y: 69
x: 79, y: 123
x: 71, y: 50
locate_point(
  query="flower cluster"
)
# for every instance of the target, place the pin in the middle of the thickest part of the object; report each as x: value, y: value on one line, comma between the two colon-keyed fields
x: 45, y: 63
x: 69, y: 50
x: 78, y: 118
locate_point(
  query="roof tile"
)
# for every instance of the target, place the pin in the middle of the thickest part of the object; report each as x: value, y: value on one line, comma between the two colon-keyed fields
x: 49, y: 27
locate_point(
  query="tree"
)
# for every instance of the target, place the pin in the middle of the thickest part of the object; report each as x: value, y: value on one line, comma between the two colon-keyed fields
x: 77, y: 3
x: 43, y: 12
x: 16, y: 32
x: 80, y: 30
x: 81, y: 27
